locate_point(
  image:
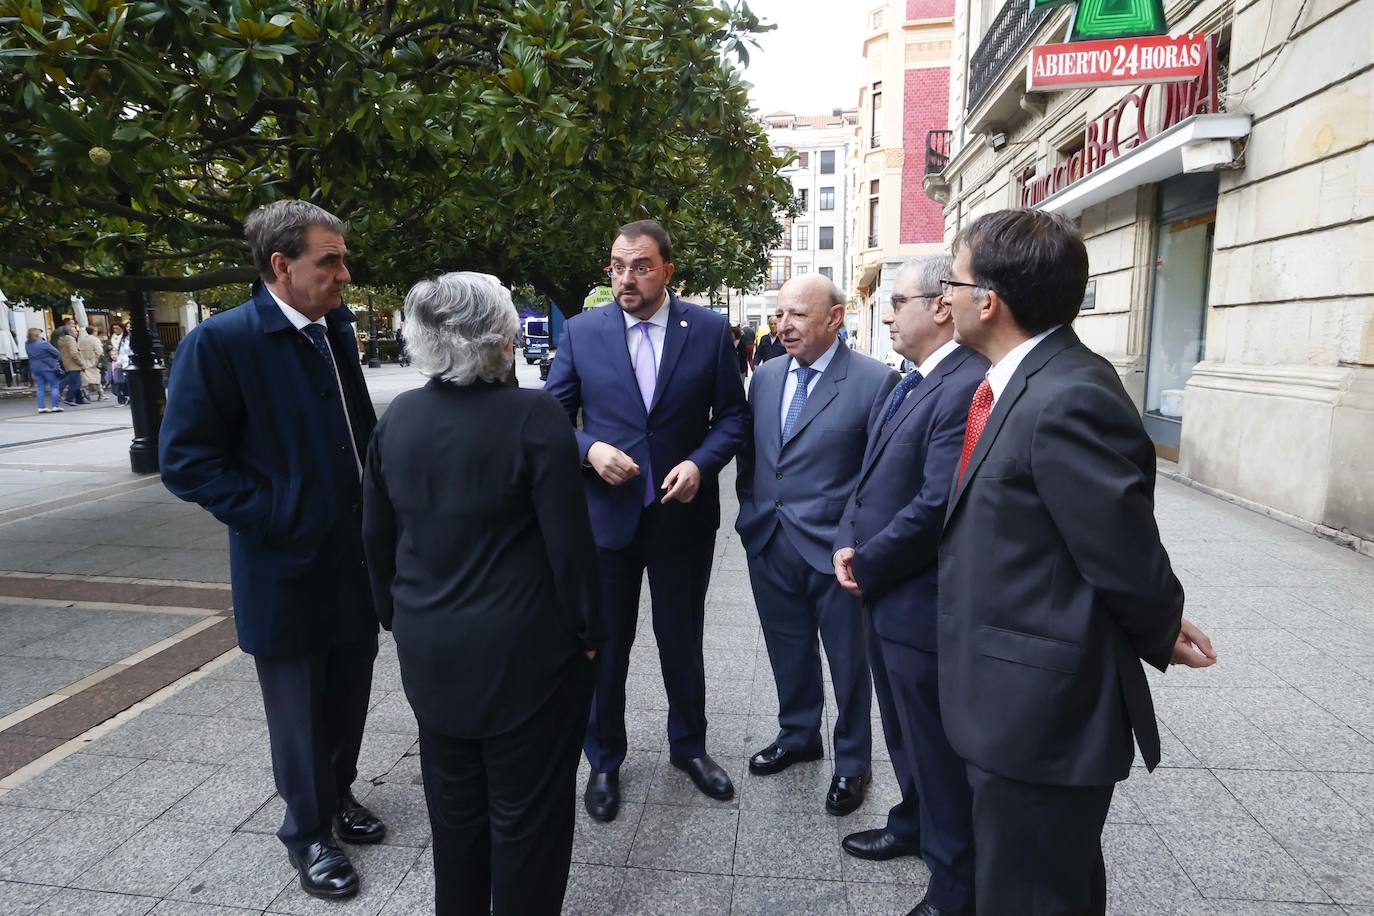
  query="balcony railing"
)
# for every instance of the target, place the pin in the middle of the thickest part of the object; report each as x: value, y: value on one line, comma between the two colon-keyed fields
x: 937, y: 150
x: 1003, y: 43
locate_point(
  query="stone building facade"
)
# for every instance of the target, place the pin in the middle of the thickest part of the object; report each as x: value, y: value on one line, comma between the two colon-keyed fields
x: 1230, y: 229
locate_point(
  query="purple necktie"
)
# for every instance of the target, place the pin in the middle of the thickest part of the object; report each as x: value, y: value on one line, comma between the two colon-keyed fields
x: 646, y: 373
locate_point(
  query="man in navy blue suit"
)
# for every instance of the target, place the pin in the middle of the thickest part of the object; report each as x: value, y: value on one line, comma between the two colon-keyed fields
x: 266, y: 424
x: 663, y: 411
x: 886, y: 553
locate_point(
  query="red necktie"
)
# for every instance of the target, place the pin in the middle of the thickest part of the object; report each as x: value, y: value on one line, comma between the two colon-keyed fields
x: 977, y: 419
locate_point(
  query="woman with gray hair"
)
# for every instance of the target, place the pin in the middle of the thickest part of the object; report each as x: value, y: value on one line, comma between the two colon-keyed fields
x: 483, y: 565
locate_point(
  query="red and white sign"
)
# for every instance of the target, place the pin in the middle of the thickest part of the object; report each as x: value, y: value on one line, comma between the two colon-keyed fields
x: 1116, y: 62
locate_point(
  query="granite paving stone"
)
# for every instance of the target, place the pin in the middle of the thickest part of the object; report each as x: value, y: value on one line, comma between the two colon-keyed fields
x: 182, y: 908
x: 646, y: 892
x: 22, y: 823
x: 149, y: 789
x: 19, y: 899
x: 68, y: 783
x: 380, y: 871
x: 770, y: 896
x: 802, y: 787
x: 26, y: 680
x: 402, y: 808
x: 154, y: 860
x: 685, y: 839
x: 415, y: 894
x: 592, y: 889
x: 75, y: 902
x: 775, y: 844
x: 902, y: 870
x: 1238, y: 860
x: 64, y: 849
x: 882, y: 899
x: 249, y: 870
x: 595, y: 843
x: 151, y: 734
x: 228, y: 797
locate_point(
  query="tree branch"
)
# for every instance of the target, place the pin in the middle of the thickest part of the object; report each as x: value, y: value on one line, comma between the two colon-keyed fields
x: 122, y: 283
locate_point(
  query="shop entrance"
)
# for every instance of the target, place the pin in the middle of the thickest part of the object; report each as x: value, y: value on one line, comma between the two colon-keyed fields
x: 1178, y: 313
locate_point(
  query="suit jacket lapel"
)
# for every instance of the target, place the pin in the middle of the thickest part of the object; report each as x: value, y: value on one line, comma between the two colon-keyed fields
x: 674, y: 338
x: 823, y: 391
x: 618, y: 352
x: 925, y: 389
x: 1034, y: 361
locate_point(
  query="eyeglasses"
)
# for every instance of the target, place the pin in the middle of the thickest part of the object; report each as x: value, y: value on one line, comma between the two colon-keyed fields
x: 639, y: 270
x: 949, y: 282
x: 897, y: 301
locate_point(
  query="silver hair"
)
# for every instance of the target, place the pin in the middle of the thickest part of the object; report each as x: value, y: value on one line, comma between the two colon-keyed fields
x: 929, y: 270
x: 281, y: 226
x: 457, y: 326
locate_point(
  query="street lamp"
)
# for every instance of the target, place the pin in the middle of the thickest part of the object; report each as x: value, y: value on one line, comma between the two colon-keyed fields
x: 374, y: 359
x: 147, y: 397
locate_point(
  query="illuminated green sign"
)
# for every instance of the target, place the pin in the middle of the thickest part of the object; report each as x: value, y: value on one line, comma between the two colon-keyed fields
x: 1098, y: 19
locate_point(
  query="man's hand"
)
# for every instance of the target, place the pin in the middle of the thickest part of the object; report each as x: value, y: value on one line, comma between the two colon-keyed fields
x: 1193, y: 648
x: 844, y: 571
x: 614, y: 466
x: 591, y: 655
x: 682, y: 482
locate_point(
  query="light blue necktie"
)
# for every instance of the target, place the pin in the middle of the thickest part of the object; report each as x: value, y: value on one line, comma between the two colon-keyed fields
x: 894, y: 403
x: 794, y: 410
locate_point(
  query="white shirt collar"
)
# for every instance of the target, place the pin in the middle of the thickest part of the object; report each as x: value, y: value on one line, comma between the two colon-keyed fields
x: 1006, y: 367
x: 658, y: 319
x: 934, y: 359
x: 298, y: 321
x: 820, y: 364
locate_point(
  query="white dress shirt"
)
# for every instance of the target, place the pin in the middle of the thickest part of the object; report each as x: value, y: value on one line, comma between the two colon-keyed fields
x: 1006, y: 367
x: 789, y: 387
x: 299, y: 321
x: 933, y: 360
x: 658, y: 331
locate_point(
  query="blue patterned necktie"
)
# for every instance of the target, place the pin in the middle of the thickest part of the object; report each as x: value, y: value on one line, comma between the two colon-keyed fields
x: 794, y: 410
x: 894, y: 403
x: 320, y: 341
x: 317, y: 337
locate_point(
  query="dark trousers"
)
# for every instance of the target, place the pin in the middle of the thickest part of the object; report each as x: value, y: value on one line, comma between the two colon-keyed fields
x: 1039, y: 847
x: 71, y: 387
x: 904, y: 818
x: 796, y: 602
x: 946, y: 809
x: 316, y: 709
x: 679, y: 574
x: 502, y: 808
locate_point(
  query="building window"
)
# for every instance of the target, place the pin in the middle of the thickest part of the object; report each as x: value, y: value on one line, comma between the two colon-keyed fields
x: 827, y: 199
x: 826, y: 237
x: 875, y: 128
x: 803, y: 238
x: 827, y: 162
x: 786, y: 233
x: 801, y: 269
x: 875, y: 20
x: 827, y: 272
x: 780, y: 271
x: 804, y: 160
x: 873, y: 223
x: 802, y: 194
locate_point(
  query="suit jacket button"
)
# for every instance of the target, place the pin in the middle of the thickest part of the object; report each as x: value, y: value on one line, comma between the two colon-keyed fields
x: 778, y: 475
x: 858, y: 504
x: 858, y: 542
x: 777, y: 503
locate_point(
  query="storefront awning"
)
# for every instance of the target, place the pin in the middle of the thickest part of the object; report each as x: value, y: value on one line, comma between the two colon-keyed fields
x: 1156, y: 159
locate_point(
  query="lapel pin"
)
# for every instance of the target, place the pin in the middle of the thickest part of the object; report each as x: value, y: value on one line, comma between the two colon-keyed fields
x: 684, y: 324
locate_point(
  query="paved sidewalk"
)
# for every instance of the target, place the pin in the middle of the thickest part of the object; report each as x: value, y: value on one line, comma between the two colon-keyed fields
x: 1264, y: 804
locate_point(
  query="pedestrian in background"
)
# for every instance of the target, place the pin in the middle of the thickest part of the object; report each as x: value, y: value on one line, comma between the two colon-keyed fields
x: 89, y: 347
x: 886, y: 554
x: 654, y: 498
x: 72, y: 395
x: 120, y: 352
x: 1054, y: 585
x: 483, y: 564
x: 769, y: 345
x: 810, y: 414
x: 741, y: 351
x: 266, y: 423
x: 45, y: 365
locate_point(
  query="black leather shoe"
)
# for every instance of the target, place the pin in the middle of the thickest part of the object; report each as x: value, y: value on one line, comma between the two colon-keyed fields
x: 602, y: 798
x: 774, y: 759
x: 877, y: 845
x: 846, y: 793
x: 325, y: 871
x: 356, y: 824
x: 708, y: 775
x: 926, y: 908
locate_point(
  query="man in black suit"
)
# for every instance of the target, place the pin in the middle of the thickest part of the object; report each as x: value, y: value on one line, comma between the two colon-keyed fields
x: 769, y: 345
x: 886, y: 554
x: 267, y: 419
x: 1054, y: 585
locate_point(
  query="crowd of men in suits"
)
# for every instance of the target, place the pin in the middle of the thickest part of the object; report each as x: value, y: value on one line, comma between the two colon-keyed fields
x: 976, y: 540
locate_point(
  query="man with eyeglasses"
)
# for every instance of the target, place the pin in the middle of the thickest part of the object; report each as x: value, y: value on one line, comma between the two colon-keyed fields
x: 885, y: 553
x: 663, y: 411
x: 1054, y: 585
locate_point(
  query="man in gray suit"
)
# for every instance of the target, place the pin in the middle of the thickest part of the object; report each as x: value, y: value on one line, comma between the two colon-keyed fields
x: 812, y: 411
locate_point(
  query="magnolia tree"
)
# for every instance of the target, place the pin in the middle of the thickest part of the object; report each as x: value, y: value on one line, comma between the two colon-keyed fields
x: 508, y: 136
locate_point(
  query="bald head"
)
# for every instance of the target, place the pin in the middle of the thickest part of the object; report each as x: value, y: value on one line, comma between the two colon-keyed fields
x: 810, y: 312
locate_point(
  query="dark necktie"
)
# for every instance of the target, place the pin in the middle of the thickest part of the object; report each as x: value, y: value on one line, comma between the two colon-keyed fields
x: 319, y: 339
x: 904, y: 387
x: 794, y: 410
x: 977, y: 419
